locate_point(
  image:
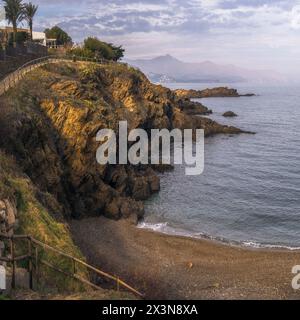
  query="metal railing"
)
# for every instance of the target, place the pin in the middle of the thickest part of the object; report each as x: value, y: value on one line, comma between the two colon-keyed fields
x: 35, y: 260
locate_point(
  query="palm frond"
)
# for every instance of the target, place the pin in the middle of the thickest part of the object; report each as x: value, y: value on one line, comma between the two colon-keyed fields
x: 14, y: 11
x: 30, y: 11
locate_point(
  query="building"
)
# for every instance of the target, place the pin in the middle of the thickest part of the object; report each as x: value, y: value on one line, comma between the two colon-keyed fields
x: 39, y: 37
x: 5, y: 33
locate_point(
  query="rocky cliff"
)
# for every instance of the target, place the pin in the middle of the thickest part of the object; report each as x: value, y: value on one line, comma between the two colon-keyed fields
x: 50, y: 121
x: 209, y: 93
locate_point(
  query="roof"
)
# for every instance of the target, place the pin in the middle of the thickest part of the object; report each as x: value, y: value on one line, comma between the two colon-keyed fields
x: 10, y: 29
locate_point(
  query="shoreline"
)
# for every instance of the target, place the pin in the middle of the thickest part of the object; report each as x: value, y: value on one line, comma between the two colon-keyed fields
x: 177, y: 232
x: 176, y: 267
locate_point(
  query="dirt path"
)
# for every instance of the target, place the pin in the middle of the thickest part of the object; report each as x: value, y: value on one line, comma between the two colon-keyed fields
x: 181, y: 268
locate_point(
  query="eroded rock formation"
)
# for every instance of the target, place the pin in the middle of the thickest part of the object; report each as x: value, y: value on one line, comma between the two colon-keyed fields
x: 209, y: 93
x: 51, y: 125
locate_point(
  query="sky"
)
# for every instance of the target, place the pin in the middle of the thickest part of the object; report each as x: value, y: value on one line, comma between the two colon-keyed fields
x: 257, y: 34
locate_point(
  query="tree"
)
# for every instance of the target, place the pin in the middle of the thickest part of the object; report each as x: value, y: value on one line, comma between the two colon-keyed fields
x: 3, y: 41
x: 62, y: 38
x: 103, y: 49
x: 29, y: 13
x: 21, y: 37
x: 118, y: 52
x: 14, y: 14
x: 98, y: 48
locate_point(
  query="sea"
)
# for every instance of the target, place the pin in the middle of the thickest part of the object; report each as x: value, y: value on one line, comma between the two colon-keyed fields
x: 249, y: 192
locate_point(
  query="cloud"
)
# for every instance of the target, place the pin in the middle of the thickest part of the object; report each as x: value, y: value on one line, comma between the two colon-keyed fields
x: 265, y: 32
x: 191, y: 16
x: 295, y: 17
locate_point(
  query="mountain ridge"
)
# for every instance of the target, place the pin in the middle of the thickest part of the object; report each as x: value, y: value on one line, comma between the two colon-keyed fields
x: 169, y: 67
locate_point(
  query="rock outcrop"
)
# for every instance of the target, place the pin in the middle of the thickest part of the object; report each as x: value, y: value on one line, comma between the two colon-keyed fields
x: 193, y: 108
x: 51, y: 125
x: 229, y: 114
x: 8, y: 218
x: 209, y: 93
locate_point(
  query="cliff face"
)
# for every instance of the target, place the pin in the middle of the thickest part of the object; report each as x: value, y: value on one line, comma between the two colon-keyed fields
x: 50, y: 121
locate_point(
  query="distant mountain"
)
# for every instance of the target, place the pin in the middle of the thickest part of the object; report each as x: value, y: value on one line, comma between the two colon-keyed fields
x: 169, y: 69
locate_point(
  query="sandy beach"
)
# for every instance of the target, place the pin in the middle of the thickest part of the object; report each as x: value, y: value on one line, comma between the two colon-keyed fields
x: 169, y: 267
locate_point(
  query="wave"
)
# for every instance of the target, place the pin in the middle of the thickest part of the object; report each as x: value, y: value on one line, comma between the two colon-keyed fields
x: 168, y: 230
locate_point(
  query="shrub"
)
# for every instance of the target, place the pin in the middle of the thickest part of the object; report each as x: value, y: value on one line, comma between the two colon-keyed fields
x: 94, y: 48
x: 62, y: 38
x: 81, y: 52
x: 99, y: 48
x: 21, y: 37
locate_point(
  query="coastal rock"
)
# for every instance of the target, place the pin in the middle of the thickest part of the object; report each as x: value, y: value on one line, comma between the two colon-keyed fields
x: 219, y: 92
x: 140, y: 188
x: 130, y: 208
x: 154, y: 183
x: 229, y: 114
x: 187, y: 94
x: 123, y: 207
x: 182, y: 121
x: 193, y: 108
x: 53, y: 135
x: 112, y: 210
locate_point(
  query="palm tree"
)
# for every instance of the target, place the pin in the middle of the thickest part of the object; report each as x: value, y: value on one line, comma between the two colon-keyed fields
x: 14, y: 14
x: 29, y: 13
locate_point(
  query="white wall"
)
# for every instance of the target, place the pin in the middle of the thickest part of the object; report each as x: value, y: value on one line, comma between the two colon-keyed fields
x: 39, y: 36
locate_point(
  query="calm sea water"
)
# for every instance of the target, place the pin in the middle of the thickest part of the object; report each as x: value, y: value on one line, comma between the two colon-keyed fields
x: 249, y: 192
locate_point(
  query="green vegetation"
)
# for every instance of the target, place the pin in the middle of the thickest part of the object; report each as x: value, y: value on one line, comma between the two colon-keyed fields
x: 95, y: 48
x: 62, y: 38
x: 16, y: 11
x: 29, y: 13
x: 14, y: 14
x: 103, y: 49
x: 20, y: 38
x: 35, y: 220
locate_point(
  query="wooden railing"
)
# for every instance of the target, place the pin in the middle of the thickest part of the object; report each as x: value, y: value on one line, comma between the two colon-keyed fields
x: 33, y: 256
x: 34, y: 245
x: 13, y: 78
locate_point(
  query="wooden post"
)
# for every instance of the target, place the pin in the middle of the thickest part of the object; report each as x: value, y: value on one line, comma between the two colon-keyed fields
x: 118, y: 284
x: 74, y: 267
x: 12, y: 253
x: 30, y: 264
x: 36, y: 264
